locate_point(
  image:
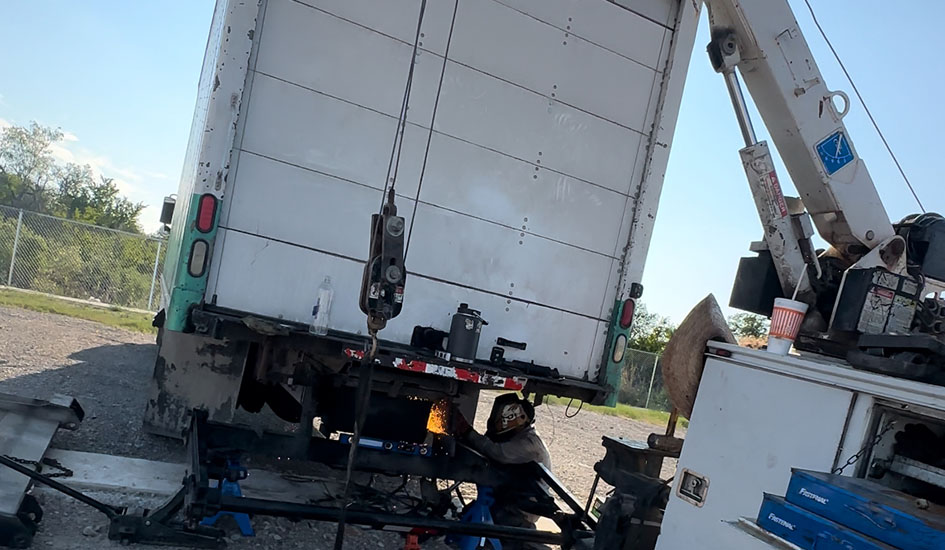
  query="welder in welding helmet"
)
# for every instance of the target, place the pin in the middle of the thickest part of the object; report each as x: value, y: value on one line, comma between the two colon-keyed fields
x: 510, y: 436
x: 509, y: 416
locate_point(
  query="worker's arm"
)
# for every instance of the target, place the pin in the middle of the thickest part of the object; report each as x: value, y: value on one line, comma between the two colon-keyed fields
x: 519, y: 450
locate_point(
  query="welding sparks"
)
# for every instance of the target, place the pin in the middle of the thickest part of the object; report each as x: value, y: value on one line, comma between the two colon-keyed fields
x: 438, y: 420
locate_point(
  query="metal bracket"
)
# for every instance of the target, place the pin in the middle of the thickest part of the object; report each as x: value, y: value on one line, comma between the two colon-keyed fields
x: 158, y: 528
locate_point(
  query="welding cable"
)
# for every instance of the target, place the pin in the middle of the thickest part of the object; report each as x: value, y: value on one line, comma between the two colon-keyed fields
x: 362, y: 404
x: 568, y: 408
x: 554, y: 424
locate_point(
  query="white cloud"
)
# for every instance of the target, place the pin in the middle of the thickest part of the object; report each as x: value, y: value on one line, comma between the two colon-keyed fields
x: 4, y: 123
x: 156, y: 175
x: 61, y: 153
x: 125, y: 178
x: 136, y: 185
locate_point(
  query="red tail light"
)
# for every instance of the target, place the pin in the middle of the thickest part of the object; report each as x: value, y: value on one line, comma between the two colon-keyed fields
x: 626, y: 314
x: 206, y: 210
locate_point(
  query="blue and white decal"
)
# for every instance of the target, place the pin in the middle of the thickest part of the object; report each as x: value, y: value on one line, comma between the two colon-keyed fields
x: 835, y: 152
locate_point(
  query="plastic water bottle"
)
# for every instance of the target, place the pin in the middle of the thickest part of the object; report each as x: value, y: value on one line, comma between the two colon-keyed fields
x: 322, y: 309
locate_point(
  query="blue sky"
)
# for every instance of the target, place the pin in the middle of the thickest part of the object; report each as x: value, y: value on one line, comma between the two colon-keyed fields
x: 120, y: 77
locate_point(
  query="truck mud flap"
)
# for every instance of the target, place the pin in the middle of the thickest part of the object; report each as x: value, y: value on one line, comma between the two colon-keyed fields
x: 193, y: 372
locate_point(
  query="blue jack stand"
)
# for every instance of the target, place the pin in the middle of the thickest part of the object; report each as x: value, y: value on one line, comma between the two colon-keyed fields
x: 232, y: 488
x: 479, y: 512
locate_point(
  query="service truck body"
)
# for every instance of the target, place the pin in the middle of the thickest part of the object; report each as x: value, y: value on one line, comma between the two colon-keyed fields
x: 537, y: 137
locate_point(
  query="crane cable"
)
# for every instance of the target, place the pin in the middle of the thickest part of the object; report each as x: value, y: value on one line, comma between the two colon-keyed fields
x: 865, y: 108
x: 366, y: 371
x: 393, y: 165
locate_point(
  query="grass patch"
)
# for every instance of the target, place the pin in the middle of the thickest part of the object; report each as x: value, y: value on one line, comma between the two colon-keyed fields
x: 111, y: 316
x: 657, y: 418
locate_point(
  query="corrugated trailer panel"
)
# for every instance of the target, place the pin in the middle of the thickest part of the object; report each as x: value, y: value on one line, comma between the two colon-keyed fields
x: 474, y: 180
x: 524, y: 200
x: 259, y: 258
x: 557, y: 62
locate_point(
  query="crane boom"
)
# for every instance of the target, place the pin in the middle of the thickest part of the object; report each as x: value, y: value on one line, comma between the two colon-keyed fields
x: 760, y: 41
x: 804, y: 122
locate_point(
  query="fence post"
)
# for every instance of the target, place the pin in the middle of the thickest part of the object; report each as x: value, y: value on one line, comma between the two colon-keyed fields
x: 656, y: 361
x: 16, y: 242
x: 157, y: 257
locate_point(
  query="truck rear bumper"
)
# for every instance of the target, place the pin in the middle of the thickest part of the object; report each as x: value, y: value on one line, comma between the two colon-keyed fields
x: 206, y: 369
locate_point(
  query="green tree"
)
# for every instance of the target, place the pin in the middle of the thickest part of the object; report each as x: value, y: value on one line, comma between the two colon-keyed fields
x: 31, y: 179
x: 82, y: 198
x: 27, y: 167
x: 748, y: 325
x: 649, y: 331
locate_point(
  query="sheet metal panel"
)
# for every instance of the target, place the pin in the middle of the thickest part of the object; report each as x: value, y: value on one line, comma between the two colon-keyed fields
x: 281, y: 280
x: 316, y: 139
x: 312, y: 130
x: 395, y: 18
x: 485, y: 184
x: 452, y: 247
x: 518, y: 48
x: 660, y: 11
x: 600, y: 341
x: 339, y: 58
x: 522, y: 124
x: 605, y: 24
x: 653, y: 161
x: 340, y: 211
x: 841, y: 374
x: 743, y: 438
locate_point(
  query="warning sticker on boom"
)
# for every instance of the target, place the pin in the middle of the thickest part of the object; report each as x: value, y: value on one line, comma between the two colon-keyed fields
x: 776, y: 204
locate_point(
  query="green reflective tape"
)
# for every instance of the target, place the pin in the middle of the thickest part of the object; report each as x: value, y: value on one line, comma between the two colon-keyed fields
x: 188, y: 290
x: 612, y: 374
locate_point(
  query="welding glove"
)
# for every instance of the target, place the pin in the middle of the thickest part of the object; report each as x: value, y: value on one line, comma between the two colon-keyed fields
x: 461, y: 426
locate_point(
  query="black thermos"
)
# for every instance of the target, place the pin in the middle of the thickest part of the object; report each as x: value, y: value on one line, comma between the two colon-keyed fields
x: 465, y: 329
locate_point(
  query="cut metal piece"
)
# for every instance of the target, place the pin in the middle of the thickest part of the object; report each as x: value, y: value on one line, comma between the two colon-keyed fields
x: 26, y: 428
x: 918, y: 470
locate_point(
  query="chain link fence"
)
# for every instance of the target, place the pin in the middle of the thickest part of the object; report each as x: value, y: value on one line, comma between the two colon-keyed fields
x: 642, y: 384
x: 79, y: 260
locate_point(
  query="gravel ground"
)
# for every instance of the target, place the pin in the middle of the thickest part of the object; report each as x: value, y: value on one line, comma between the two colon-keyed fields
x: 105, y: 369
x: 108, y: 369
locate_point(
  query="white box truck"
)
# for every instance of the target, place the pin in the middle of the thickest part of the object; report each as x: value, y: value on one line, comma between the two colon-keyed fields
x: 536, y: 140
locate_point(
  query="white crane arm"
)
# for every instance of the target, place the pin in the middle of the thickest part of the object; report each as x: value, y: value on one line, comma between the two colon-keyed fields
x: 806, y: 126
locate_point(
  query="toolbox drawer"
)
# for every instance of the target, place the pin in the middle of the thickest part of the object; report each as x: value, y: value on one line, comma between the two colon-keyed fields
x: 810, y: 531
x: 870, y: 508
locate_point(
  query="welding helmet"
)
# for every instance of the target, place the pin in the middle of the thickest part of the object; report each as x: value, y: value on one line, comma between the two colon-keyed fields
x: 510, y: 414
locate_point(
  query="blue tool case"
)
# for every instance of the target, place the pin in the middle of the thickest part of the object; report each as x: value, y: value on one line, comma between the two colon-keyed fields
x: 877, y: 511
x: 810, y: 531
